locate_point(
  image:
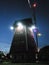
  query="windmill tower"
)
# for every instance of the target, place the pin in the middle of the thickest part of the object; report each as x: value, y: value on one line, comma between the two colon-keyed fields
x: 23, y: 47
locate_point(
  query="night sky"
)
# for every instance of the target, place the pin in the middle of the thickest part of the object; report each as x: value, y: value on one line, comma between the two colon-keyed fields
x: 11, y: 10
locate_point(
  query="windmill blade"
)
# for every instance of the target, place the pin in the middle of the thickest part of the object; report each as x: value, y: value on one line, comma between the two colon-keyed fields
x: 29, y: 3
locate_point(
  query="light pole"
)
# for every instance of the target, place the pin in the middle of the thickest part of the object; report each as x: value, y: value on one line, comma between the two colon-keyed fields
x: 33, y: 7
x: 34, y: 17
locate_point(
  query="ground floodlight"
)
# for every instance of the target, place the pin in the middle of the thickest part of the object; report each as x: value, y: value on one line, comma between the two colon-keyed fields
x: 39, y: 34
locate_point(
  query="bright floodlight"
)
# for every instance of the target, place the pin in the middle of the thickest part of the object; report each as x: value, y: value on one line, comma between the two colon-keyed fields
x: 20, y: 26
x: 11, y: 27
x: 32, y: 28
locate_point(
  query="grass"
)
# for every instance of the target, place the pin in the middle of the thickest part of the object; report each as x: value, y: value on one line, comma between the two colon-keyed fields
x: 8, y: 63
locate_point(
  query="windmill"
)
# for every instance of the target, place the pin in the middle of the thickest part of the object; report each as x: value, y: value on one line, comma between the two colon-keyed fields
x: 23, y: 47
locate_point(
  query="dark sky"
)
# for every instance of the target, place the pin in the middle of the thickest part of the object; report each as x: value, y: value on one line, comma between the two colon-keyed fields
x: 11, y: 10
